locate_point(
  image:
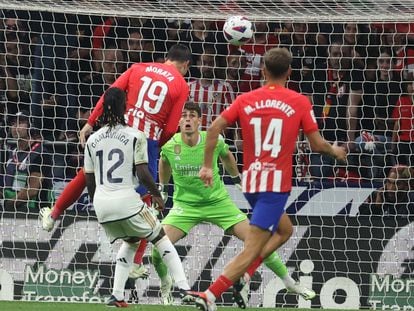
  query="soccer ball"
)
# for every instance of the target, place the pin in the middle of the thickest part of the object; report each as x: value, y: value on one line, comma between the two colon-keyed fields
x: 237, y: 30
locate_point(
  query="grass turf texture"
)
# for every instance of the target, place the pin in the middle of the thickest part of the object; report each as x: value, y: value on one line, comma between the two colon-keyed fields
x: 50, y: 306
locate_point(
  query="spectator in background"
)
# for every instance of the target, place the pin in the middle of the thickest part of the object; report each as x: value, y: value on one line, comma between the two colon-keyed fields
x: 262, y: 41
x: 394, y: 198
x: 370, y: 118
x: 307, y: 57
x: 403, y: 135
x: 50, y: 83
x: 213, y: 95
x: 136, y: 47
x: 235, y: 66
x: 330, y: 105
x: 397, y: 39
x: 200, y: 34
x: 27, y: 179
x: 15, y: 70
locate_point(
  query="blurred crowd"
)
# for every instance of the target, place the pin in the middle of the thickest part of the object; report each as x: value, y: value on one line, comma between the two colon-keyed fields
x: 359, y: 77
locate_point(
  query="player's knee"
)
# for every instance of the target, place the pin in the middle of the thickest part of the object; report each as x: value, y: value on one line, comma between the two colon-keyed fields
x: 160, y: 235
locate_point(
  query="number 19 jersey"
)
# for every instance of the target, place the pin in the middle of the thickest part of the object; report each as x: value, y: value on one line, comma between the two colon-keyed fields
x: 111, y: 154
x: 270, y: 119
x: 156, y: 94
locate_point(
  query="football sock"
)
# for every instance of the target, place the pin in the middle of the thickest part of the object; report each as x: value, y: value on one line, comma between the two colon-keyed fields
x: 124, y: 260
x: 70, y: 194
x: 158, y: 263
x: 170, y: 256
x: 254, y: 265
x: 140, y: 252
x: 275, y: 263
x: 218, y: 287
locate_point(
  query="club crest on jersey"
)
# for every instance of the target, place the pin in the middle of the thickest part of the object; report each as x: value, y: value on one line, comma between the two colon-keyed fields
x: 177, y: 149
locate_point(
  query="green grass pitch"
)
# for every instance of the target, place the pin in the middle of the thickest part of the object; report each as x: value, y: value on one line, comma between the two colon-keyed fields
x: 51, y: 306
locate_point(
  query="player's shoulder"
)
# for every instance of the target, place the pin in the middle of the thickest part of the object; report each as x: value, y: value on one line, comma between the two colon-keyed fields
x: 176, y: 139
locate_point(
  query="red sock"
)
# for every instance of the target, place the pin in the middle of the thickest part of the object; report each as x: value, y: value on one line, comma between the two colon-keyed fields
x: 254, y: 265
x: 70, y: 194
x: 220, y: 286
x: 140, y: 252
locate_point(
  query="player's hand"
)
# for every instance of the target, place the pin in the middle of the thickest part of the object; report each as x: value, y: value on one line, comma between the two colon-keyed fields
x: 47, y: 221
x: 339, y: 152
x: 84, y: 132
x: 158, y: 203
x: 206, y: 175
x: 237, y: 182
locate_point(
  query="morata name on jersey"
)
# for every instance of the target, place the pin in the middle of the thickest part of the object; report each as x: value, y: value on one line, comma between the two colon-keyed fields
x: 161, y: 72
x: 110, y: 134
x: 270, y: 103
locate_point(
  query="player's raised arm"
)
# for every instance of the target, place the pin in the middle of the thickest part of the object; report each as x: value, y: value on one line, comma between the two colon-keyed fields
x: 121, y: 83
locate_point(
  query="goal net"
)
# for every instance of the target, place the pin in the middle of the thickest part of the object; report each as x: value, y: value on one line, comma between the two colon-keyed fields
x: 353, y: 222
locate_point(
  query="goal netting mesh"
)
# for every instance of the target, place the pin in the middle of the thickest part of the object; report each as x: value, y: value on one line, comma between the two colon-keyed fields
x: 353, y: 222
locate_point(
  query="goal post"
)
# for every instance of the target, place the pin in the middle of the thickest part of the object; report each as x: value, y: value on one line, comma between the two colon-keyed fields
x: 353, y: 222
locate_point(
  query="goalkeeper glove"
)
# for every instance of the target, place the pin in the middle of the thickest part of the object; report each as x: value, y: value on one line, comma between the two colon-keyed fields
x: 164, y: 192
x: 47, y: 221
x: 237, y: 182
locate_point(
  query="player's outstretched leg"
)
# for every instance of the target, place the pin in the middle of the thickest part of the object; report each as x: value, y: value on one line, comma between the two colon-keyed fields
x: 165, y: 278
x: 275, y: 263
x: 306, y: 293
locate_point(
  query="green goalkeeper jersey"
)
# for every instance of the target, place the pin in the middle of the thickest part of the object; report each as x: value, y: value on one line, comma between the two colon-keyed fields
x: 185, y: 162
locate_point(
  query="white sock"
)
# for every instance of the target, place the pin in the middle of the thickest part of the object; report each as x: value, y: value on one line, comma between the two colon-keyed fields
x: 124, y: 261
x: 210, y: 296
x: 170, y: 257
x: 288, y: 281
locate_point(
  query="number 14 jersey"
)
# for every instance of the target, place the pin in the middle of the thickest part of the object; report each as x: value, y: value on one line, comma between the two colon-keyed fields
x: 270, y: 119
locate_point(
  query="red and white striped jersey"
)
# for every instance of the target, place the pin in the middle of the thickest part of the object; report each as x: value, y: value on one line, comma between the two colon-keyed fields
x: 156, y: 94
x: 212, y: 99
x: 270, y: 119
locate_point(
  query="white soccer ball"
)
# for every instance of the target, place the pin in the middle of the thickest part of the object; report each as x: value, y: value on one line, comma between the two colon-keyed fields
x: 238, y: 30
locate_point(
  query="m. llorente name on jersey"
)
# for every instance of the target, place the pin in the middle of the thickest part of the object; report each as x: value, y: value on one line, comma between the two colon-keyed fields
x: 270, y: 103
x: 112, y: 134
x: 187, y: 169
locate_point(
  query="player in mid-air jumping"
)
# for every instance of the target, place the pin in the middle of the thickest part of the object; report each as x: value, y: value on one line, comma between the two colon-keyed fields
x: 156, y: 93
x: 270, y: 119
x: 110, y: 153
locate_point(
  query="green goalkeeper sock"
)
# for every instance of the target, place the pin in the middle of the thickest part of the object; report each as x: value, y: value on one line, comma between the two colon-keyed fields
x: 275, y: 263
x: 158, y: 263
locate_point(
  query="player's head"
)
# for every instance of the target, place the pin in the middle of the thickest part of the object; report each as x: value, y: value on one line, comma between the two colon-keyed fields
x: 190, y: 118
x: 277, y: 63
x: 114, y: 107
x: 180, y: 56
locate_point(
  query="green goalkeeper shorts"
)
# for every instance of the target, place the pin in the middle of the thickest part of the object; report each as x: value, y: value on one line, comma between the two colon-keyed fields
x: 224, y: 214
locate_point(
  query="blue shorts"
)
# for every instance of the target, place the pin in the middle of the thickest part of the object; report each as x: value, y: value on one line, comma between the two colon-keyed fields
x: 268, y: 208
x: 153, y: 155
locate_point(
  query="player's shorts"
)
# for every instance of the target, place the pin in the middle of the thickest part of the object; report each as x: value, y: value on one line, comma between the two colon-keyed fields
x: 268, y: 208
x: 153, y: 155
x: 223, y: 214
x: 142, y: 225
